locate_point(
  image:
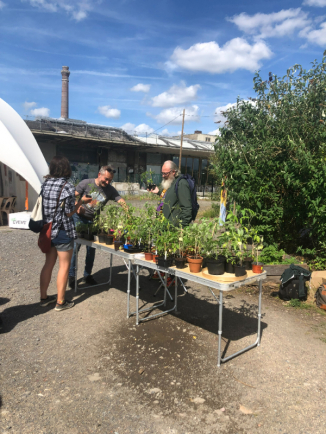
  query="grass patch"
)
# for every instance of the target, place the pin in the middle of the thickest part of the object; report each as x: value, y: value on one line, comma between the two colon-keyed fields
x: 212, y: 212
x: 141, y: 197
x: 298, y: 304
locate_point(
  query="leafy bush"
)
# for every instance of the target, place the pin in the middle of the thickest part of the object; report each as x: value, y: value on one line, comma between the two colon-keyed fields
x: 272, y: 152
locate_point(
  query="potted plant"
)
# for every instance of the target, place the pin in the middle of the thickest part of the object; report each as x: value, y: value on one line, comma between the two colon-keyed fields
x: 147, y: 179
x: 215, y: 259
x: 194, y: 241
x: 257, y: 246
x: 89, y: 232
x: 81, y: 229
x: 180, y: 258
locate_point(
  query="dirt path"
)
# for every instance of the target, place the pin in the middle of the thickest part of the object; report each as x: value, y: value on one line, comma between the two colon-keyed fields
x: 79, y: 371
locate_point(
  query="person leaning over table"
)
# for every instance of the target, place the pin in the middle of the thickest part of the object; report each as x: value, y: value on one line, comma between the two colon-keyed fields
x: 58, y: 190
x: 101, y: 192
x: 176, y: 208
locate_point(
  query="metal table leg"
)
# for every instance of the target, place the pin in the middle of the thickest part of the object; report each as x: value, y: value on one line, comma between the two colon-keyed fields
x: 76, y: 265
x: 220, y: 329
x: 128, y: 288
x: 137, y: 294
x: 256, y: 343
x: 111, y: 258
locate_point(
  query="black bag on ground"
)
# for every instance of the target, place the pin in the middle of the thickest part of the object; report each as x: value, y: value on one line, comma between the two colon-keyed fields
x: 293, y: 284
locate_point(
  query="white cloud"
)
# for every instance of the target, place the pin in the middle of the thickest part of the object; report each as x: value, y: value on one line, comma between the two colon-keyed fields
x: 141, y: 88
x: 29, y: 105
x: 78, y: 9
x: 2, y: 5
x: 218, y: 112
x: 317, y: 3
x: 42, y: 112
x: 210, y: 57
x: 176, y: 95
x: 315, y: 36
x: 109, y: 112
x: 276, y: 24
x: 140, y: 129
x: 215, y: 132
x: 174, y: 114
x: 164, y: 132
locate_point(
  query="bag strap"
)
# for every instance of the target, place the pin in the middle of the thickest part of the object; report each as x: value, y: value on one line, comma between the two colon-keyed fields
x: 58, y: 201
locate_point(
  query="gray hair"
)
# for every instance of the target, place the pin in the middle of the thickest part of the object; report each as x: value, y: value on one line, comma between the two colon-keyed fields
x: 106, y: 168
x: 173, y: 167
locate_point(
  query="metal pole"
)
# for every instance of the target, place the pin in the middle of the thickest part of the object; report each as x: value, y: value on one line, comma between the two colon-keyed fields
x: 181, y: 141
x: 128, y: 289
x: 259, y: 311
x: 137, y: 294
x: 76, y: 265
x: 220, y: 329
x: 111, y: 257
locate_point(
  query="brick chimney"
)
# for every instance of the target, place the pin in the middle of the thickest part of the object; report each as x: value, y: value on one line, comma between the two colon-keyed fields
x: 65, y: 92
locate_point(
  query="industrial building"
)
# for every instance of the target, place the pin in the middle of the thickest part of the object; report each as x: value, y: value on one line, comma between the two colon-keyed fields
x: 88, y: 146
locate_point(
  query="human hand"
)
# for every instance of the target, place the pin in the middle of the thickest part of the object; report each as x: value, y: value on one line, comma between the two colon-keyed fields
x: 155, y: 190
x: 87, y: 199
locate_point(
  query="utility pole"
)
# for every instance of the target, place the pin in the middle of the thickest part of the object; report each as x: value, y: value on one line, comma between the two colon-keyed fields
x: 183, y: 122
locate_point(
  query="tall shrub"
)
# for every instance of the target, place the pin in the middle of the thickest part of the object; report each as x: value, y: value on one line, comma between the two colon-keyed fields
x: 272, y: 150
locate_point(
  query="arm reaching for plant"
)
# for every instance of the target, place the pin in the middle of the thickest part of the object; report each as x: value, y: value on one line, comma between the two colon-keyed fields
x: 123, y: 203
x: 154, y: 190
x: 78, y: 205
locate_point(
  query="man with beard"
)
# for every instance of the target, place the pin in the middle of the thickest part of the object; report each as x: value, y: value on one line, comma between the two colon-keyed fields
x: 175, y: 207
x: 101, y: 192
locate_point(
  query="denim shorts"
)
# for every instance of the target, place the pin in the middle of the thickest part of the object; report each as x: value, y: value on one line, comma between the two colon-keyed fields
x: 64, y: 247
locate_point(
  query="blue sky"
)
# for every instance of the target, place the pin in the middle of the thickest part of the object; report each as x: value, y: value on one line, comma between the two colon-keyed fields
x: 137, y: 64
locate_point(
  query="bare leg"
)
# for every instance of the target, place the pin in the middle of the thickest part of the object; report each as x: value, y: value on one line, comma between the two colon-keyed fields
x: 64, y: 265
x: 46, y: 273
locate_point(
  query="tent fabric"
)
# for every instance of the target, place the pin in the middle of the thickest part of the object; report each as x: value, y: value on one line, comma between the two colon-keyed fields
x: 19, y: 149
x: 14, y: 157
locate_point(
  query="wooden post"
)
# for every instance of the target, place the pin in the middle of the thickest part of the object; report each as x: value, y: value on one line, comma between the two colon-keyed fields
x: 183, y: 121
x: 26, y: 196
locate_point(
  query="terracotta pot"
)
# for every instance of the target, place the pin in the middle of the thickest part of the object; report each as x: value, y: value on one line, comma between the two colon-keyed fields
x: 148, y: 256
x: 258, y: 268
x: 195, y: 264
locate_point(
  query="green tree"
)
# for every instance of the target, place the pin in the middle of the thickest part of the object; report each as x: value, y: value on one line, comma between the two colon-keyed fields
x: 272, y: 151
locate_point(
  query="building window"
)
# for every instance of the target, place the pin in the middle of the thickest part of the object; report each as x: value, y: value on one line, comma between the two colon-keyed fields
x: 208, y: 139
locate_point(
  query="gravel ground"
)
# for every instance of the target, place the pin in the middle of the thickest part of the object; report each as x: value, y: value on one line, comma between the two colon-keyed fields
x: 90, y: 370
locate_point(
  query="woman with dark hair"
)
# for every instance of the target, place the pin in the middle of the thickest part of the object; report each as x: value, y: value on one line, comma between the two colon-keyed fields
x: 58, y: 195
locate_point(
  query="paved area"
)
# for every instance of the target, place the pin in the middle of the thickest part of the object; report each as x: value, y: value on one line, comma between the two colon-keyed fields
x: 90, y: 370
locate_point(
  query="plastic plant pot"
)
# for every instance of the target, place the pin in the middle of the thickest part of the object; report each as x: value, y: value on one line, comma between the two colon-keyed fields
x: 247, y: 263
x: 258, y: 268
x: 221, y: 258
x: 117, y: 245
x: 102, y: 238
x: 165, y: 263
x: 80, y: 234
x: 180, y: 262
x: 229, y: 268
x: 195, y: 264
x: 89, y: 237
x: 215, y: 266
x: 155, y: 258
x: 109, y: 240
x: 148, y: 256
x: 240, y: 270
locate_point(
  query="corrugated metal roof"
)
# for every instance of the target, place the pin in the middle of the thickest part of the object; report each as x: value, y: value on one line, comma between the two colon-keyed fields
x: 160, y: 141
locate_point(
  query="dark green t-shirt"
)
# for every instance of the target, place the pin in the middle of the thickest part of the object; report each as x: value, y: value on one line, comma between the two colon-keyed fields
x: 100, y: 196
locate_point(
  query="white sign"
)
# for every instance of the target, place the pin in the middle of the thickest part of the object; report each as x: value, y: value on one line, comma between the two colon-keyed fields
x: 19, y: 220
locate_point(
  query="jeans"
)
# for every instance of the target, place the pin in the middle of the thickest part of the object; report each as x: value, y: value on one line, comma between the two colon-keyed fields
x: 90, y: 252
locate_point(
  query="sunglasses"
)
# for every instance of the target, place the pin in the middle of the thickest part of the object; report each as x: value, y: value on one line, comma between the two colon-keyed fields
x: 111, y: 171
